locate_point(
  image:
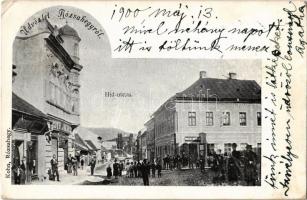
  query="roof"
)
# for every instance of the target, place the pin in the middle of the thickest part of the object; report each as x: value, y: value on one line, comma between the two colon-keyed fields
x: 80, y: 143
x: 124, y: 138
x: 91, y: 145
x: 223, y: 90
x: 22, y: 106
x: 67, y: 30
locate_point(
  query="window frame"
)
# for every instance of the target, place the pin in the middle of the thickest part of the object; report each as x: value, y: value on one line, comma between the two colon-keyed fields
x: 192, y: 118
x: 227, y: 113
x: 242, y: 120
x: 208, y: 118
x: 258, y: 124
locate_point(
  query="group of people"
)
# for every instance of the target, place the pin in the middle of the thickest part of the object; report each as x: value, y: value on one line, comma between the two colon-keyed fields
x: 140, y: 169
x: 72, y: 166
x: 137, y: 169
x: 118, y: 168
x: 144, y: 169
x: 235, y: 167
x: 179, y: 161
x: 19, y: 172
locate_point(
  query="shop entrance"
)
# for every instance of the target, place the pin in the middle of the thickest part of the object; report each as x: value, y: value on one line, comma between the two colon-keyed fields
x: 32, y: 159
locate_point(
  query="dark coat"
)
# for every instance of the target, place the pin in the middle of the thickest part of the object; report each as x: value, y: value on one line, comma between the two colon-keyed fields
x: 116, y: 169
x: 109, y: 172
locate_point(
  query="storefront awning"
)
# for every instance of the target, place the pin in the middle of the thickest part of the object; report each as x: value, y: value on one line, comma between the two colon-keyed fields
x: 26, y: 117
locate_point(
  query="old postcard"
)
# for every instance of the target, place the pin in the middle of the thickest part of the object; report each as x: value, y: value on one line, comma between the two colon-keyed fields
x: 153, y: 99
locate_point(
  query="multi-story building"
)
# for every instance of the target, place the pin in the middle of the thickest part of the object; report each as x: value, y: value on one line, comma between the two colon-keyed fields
x: 141, y: 144
x: 150, y: 139
x: 226, y: 110
x: 47, y: 63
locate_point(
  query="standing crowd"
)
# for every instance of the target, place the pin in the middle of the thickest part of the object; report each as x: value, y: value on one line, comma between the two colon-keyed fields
x: 72, y: 165
x: 140, y: 169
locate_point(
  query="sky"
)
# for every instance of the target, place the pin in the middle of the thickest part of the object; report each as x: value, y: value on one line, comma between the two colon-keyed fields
x: 150, y: 81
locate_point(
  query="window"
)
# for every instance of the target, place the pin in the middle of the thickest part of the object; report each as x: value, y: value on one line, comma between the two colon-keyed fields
x: 209, y: 118
x: 192, y: 118
x: 242, y: 118
x: 226, y: 118
x: 259, y: 118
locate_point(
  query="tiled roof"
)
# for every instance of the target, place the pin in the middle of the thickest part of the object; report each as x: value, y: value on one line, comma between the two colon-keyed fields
x: 223, y: 89
x: 20, y: 105
x: 91, y: 145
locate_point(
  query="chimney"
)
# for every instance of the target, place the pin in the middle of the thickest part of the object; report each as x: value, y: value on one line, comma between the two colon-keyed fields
x: 232, y: 75
x: 202, y: 74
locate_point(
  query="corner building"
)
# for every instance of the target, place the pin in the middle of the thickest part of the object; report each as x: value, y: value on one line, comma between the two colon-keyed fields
x: 226, y: 111
x: 47, y: 63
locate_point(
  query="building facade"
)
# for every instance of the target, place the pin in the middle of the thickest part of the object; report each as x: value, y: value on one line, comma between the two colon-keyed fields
x: 48, y: 68
x: 150, y: 139
x: 226, y: 111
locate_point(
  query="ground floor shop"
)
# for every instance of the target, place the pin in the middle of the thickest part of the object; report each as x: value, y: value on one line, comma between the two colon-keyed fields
x: 194, y: 146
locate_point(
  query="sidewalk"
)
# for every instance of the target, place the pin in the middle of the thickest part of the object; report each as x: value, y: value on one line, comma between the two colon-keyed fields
x: 69, y: 179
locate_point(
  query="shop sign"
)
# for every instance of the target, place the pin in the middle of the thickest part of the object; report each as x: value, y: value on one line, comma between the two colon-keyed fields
x: 58, y: 125
x: 191, y: 139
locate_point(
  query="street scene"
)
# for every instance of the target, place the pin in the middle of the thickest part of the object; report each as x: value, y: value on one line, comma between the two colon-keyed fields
x: 80, y: 117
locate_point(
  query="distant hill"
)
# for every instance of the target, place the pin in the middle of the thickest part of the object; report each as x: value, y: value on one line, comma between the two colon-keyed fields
x: 107, y: 133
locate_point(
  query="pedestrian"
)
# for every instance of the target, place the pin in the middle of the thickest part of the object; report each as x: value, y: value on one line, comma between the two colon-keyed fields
x: 74, y: 166
x: 234, y: 165
x: 138, y: 166
x: 145, y: 168
x: 217, y: 167
x: 54, y: 167
x: 135, y: 169
x: 82, y: 163
x: 92, y: 165
x: 109, y: 171
x: 153, y: 169
x: 121, y: 168
x: 171, y: 162
x: 250, y: 166
x: 165, y: 162
x: 159, y: 168
x: 116, y: 169
x: 69, y: 164
x: 23, y: 172
x: 131, y: 170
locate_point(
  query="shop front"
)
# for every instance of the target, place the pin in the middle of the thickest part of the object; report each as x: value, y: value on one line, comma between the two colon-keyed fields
x: 28, y: 123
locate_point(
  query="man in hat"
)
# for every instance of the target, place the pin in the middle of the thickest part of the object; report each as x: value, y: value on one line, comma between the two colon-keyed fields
x: 93, y: 164
x: 54, y: 167
x: 234, y: 165
x: 145, y: 169
x: 116, y: 168
x: 250, y: 166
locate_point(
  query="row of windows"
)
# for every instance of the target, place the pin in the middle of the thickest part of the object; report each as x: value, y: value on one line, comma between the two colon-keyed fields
x: 225, y: 119
x: 166, y: 126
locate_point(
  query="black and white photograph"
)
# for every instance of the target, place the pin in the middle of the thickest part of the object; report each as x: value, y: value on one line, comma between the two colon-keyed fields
x: 79, y: 117
x: 153, y: 100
